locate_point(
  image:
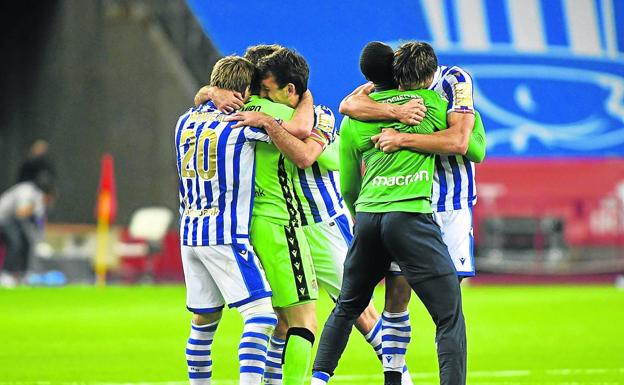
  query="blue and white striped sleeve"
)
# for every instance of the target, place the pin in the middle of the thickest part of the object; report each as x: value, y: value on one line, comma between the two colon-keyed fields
x: 457, y: 86
x: 324, y: 131
x: 254, y: 134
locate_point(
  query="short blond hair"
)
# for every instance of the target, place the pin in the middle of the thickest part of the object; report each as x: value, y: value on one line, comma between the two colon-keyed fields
x: 232, y: 73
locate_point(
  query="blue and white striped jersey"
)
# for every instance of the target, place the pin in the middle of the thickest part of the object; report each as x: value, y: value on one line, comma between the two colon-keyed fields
x: 454, y: 185
x: 318, y: 194
x: 216, y: 167
x: 317, y: 187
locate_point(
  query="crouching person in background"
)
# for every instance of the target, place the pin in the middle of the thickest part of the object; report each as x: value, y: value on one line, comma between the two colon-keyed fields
x: 22, y: 219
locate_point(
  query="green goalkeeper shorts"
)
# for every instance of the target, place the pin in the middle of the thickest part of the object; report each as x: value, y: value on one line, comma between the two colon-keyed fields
x: 285, y: 255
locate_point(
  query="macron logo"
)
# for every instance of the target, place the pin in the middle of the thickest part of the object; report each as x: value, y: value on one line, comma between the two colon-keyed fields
x: 389, y: 358
x: 401, y: 180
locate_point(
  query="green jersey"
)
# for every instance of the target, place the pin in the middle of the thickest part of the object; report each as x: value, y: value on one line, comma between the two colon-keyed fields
x: 274, y: 195
x: 399, y: 181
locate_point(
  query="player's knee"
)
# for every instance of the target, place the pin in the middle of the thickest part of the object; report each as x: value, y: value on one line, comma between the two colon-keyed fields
x: 398, y: 303
x: 302, y: 315
x: 398, y: 294
x: 258, y: 306
x: 310, y: 324
x: 351, y: 268
x: 349, y: 310
x: 305, y: 320
x: 366, y: 321
x: 452, y: 341
x: 262, y: 311
x: 206, y: 318
x: 282, y: 326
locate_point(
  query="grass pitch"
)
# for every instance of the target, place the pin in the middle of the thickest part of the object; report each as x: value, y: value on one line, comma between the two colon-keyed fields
x: 516, y: 335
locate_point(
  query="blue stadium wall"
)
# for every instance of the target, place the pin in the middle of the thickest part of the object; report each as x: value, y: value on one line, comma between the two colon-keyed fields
x: 548, y: 74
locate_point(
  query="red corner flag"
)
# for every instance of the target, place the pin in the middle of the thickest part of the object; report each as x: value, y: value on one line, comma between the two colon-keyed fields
x: 106, y: 209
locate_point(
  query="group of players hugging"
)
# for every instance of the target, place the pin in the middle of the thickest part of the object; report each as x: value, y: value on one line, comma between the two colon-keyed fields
x: 268, y: 189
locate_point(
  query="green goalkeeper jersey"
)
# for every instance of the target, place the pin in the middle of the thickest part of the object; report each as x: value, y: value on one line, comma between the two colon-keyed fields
x: 399, y: 181
x: 274, y: 196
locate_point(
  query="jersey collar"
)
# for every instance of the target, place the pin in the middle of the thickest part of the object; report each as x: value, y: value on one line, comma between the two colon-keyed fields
x: 436, y: 77
x: 207, y: 106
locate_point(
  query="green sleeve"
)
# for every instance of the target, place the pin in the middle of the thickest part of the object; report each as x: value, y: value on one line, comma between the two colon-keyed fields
x: 350, y: 165
x: 436, y: 114
x: 329, y: 158
x: 476, y: 145
x: 436, y: 109
x: 275, y: 110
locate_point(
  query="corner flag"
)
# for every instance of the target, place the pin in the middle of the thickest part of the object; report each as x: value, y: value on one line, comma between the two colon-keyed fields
x: 106, y: 212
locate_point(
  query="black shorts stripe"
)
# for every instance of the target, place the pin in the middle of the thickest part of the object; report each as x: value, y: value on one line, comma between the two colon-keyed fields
x: 283, y: 178
x: 296, y: 263
x: 304, y: 220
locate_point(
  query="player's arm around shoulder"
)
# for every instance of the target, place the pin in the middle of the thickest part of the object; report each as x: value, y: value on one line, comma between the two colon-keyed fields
x: 451, y: 124
x: 445, y: 142
x: 360, y: 106
x: 302, y: 122
x: 330, y: 157
x: 459, y: 130
x: 321, y: 136
x: 459, y: 119
x: 303, y: 153
x: 226, y: 101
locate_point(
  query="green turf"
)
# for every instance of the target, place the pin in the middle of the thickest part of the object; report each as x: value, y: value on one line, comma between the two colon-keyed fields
x: 516, y: 335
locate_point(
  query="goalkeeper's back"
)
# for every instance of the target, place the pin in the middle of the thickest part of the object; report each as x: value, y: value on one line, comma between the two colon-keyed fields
x: 401, y: 180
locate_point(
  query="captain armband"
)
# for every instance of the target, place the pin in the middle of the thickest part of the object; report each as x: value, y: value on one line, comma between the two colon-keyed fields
x: 462, y: 98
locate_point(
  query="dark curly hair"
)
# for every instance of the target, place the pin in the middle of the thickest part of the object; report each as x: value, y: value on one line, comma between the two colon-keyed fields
x: 255, y: 53
x: 376, y: 63
x: 287, y: 66
x: 414, y: 64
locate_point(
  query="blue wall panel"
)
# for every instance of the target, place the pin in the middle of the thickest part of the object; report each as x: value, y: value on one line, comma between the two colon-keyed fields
x: 563, y: 98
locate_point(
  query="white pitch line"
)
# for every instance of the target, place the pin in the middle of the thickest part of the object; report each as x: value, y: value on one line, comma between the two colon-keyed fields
x: 571, y: 372
x: 359, y: 378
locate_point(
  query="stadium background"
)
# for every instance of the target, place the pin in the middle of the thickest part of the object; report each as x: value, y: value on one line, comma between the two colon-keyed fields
x: 106, y: 76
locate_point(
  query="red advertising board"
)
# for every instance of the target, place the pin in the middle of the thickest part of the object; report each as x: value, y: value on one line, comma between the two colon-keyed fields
x: 586, y: 194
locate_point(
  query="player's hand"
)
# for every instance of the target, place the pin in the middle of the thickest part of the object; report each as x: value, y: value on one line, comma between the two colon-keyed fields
x: 226, y: 101
x: 365, y: 89
x: 249, y: 118
x: 388, y: 141
x: 412, y: 112
x: 203, y: 95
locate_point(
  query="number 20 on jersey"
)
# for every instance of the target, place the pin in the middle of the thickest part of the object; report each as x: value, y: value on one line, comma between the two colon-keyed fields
x: 196, y: 151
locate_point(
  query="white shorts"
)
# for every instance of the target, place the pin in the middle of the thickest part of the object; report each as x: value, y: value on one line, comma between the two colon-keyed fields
x: 329, y: 242
x: 216, y: 275
x: 456, y: 228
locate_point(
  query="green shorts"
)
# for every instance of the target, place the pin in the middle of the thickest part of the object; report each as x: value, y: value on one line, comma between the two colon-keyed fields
x: 329, y: 242
x: 285, y: 255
